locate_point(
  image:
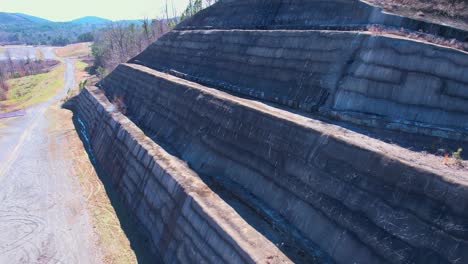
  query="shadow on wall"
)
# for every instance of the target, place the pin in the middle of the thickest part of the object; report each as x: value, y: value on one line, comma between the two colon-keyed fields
x: 138, y: 242
x: 411, y: 141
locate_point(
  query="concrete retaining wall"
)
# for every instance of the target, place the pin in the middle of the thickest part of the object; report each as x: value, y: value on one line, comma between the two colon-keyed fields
x: 278, y: 66
x: 184, y: 220
x: 363, y: 78
x: 307, y: 14
x: 386, y: 209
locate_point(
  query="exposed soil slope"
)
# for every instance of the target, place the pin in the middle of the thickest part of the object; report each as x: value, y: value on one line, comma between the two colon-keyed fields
x: 449, y: 12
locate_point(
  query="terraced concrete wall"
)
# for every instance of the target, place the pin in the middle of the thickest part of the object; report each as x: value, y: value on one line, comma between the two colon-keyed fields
x: 387, y: 209
x: 182, y: 218
x: 307, y: 14
x: 358, y: 77
x: 278, y: 66
x: 405, y: 82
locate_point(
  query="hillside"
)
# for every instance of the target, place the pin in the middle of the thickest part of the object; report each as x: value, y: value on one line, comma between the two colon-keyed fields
x: 449, y: 12
x: 16, y: 28
x: 18, y: 18
x: 91, y: 20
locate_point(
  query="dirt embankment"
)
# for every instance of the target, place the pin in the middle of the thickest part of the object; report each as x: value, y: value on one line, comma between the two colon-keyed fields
x: 450, y: 12
x: 110, y: 238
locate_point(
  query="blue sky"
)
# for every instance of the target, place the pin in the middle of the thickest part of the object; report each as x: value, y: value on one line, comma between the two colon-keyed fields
x: 64, y: 10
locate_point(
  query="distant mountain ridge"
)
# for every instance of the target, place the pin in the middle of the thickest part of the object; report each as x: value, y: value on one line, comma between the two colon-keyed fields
x: 18, y: 28
x: 91, y: 20
x: 19, y: 18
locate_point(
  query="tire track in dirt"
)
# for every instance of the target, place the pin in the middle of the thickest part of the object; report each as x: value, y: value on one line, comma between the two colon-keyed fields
x: 43, y: 216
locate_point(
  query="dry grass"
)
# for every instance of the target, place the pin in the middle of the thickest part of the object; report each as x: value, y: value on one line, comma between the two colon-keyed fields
x: 450, y: 12
x: 452, y: 43
x: 447, y: 8
x: 33, y: 89
x: 80, y: 76
x: 80, y: 72
x: 111, y: 240
x: 74, y: 50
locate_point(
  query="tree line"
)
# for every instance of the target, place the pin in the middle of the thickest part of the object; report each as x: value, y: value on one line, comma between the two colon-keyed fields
x: 119, y: 42
x: 53, y: 33
x: 10, y: 68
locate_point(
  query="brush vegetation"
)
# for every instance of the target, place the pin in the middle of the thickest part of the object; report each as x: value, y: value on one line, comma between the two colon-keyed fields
x: 33, y: 89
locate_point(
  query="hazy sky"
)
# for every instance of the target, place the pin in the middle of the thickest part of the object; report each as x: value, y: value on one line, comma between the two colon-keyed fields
x: 63, y: 10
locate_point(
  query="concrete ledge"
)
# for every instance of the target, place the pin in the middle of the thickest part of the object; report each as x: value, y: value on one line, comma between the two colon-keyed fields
x: 408, y: 85
x: 185, y: 221
x: 308, y: 14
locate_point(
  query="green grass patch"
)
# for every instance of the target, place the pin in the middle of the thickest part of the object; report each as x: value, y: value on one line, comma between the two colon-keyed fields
x: 80, y: 66
x: 34, y: 89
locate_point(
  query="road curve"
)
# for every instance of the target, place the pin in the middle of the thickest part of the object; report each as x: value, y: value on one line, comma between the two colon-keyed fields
x: 43, y: 216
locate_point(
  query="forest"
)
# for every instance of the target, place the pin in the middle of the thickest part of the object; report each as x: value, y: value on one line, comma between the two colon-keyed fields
x: 118, y: 42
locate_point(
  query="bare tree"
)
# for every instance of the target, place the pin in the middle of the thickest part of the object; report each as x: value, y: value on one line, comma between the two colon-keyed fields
x: 174, y: 11
x: 166, y: 11
x: 10, y: 63
x: 122, y: 41
x: 147, y: 30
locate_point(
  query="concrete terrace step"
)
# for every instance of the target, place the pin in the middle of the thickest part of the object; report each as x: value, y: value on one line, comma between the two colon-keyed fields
x: 357, y: 198
x: 308, y: 14
x: 185, y: 221
x: 379, y: 81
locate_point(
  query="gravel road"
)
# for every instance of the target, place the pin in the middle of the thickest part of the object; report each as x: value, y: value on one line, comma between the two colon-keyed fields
x: 43, y: 215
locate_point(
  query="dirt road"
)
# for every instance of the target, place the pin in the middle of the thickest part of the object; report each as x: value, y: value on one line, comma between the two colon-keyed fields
x: 26, y: 52
x: 43, y: 216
